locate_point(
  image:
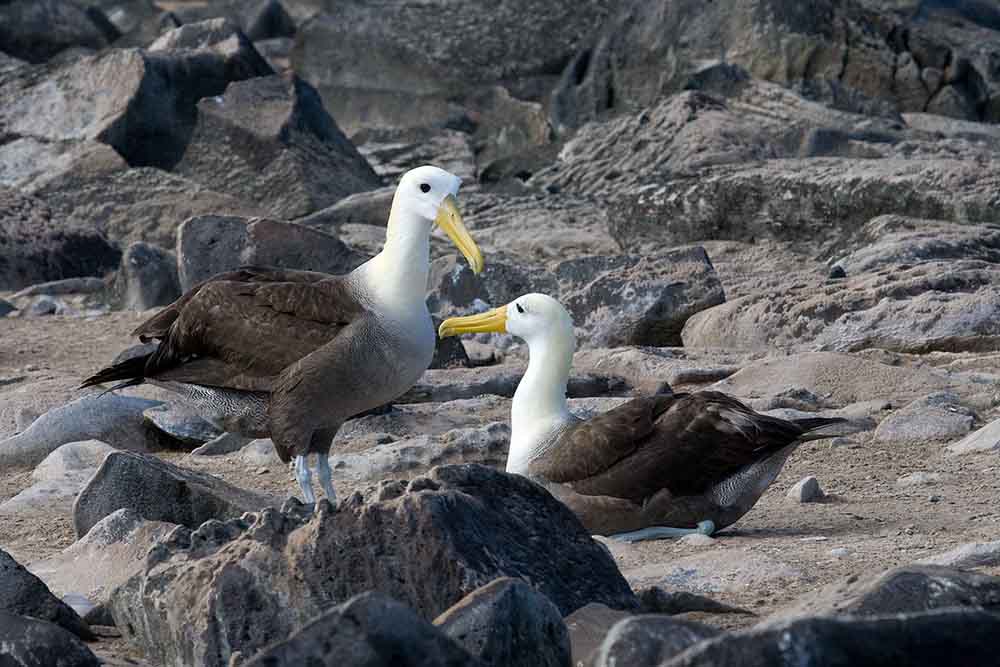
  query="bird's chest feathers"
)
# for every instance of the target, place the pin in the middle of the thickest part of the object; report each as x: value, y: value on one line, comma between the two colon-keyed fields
x: 412, y: 333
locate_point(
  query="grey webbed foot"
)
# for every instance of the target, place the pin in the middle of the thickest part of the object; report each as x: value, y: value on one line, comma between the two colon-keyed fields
x: 706, y: 527
x: 326, y: 477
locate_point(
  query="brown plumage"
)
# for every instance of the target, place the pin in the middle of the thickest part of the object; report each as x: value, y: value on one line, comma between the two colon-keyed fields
x: 666, y: 460
x: 252, y: 330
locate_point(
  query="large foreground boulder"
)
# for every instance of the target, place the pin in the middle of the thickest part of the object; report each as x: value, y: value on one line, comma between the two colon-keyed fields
x: 369, y: 630
x: 159, y: 491
x: 31, y: 642
x: 224, y: 587
x: 21, y: 592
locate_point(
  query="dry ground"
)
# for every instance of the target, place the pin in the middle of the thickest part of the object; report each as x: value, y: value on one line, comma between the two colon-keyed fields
x: 777, y: 552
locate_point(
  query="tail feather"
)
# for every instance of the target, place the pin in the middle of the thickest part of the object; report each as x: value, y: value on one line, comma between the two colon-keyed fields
x: 817, y: 428
x: 132, y: 371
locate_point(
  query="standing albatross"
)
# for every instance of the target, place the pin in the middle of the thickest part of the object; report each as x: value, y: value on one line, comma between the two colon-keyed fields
x: 293, y: 354
x: 656, y: 466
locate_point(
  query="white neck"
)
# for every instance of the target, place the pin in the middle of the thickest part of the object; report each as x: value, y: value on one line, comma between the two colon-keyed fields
x: 539, y: 404
x: 397, y: 276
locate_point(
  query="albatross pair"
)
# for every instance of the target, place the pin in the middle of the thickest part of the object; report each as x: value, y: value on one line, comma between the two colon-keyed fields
x: 293, y: 354
x: 655, y: 466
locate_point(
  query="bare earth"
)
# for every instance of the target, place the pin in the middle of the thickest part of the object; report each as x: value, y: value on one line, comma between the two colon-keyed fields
x: 777, y: 552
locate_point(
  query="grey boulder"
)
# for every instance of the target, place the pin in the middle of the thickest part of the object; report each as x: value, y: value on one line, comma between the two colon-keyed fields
x: 36, y: 30
x: 111, y: 418
x: 508, y: 623
x: 103, y: 559
x: 638, y: 300
x: 938, y: 416
x: 907, y: 589
x: 292, y: 158
x: 23, y: 593
x: 648, y: 641
x: 33, y: 642
x: 159, y: 491
x: 903, y: 640
x: 58, y: 479
x: 210, y: 244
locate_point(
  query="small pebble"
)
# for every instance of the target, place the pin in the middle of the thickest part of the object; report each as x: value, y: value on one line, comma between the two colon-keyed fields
x: 840, y: 552
x: 263, y: 471
x: 934, y: 499
x: 806, y: 490
x: 697, y: 540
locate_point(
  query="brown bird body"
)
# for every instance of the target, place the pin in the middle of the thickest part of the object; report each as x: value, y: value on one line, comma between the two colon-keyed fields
x: 655, y: 466
x: 292, y: 354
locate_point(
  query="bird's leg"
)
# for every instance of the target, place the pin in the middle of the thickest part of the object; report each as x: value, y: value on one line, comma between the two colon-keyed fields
x: 305, y: 479
x: 659, y: 532
x: 326, y: 477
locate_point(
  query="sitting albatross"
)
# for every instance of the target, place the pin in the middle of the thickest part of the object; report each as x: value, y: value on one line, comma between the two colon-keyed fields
x: 656, y: 466
x: 293, y: 354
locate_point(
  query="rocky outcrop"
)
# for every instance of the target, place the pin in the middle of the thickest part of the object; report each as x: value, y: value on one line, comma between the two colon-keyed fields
x: 858, y: 55
x: 373, y: 66
x: 222, y: 588
x: 159, y: 491
x: 648, y: 641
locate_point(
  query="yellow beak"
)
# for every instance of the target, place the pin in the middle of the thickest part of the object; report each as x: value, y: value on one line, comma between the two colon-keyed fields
x: 491, y: 321
x: 450, y: 220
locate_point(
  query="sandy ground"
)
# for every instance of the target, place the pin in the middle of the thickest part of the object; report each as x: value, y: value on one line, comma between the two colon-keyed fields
x: 777, y: 552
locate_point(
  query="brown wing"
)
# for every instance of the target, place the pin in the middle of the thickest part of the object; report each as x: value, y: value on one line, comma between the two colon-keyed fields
x: 591, y: 446
x: 242, y: 333
x: 158, y: 326
x: 698, y: 441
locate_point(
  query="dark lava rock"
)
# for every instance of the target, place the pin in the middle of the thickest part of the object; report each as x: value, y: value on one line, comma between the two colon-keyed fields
x: 964, y: 637
x: 35, y: 246
x: 437, y: 539
x: 31, y: 642
x: 210, y: 244
x: 23, y: 593
x: 507, y: 623
x: 649, y: 641
x: 159, y: 491
x: 369, y: 630
x: 911, y: 588
x: 36, y: 30
x: 269, y: 140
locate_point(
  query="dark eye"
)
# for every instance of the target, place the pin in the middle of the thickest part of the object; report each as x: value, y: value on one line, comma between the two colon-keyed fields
x: 424, y: 187
x: 519, y: 309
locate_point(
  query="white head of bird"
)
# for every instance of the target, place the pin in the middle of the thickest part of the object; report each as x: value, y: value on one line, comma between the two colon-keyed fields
x: 539, y: 407
x: 425, y: 198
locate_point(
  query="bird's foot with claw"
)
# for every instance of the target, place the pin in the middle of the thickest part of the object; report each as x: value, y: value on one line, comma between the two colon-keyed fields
x: 661, y: 532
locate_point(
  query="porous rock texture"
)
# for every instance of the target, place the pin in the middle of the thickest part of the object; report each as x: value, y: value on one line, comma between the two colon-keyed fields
x: 224, y: 587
